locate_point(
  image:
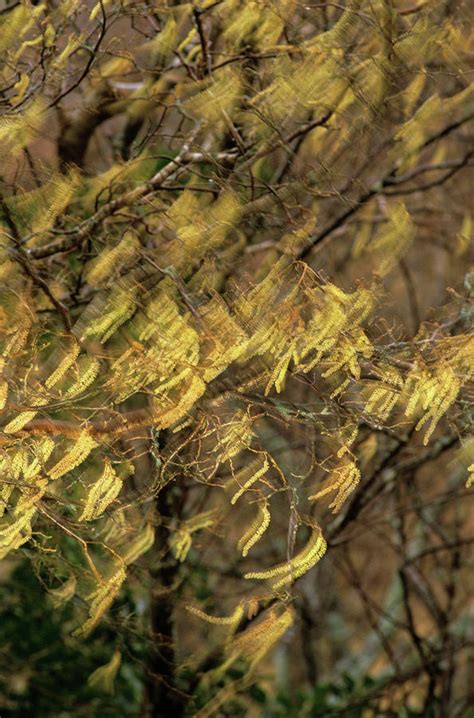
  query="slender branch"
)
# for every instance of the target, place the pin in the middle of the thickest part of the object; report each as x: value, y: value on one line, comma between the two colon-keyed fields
x: 92, y: 58
x: 206, y: 58
x: 75, y: 237
x: 379, y: 188
x: 21, y: 256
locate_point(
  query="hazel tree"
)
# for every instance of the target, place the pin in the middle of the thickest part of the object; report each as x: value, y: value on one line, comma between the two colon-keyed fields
x: 217, y: 342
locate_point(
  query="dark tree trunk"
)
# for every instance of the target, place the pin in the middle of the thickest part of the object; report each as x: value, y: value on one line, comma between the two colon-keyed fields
x: 162, y: 698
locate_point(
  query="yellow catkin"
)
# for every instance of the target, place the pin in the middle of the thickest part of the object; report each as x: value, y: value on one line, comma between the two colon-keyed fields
x: 120, y: 307
x: 412, y: 93
x: 465, y: 235
x: 233, y: 436
x: 116, y: 175
x: 262, y: 24
x: 60, y: 596
x: 102, y: 679
x: 204, y: 520
x: 343, y: 480
x: 218, y: 98
x: 17, y: 131
x: 261, y: 469
x: 74, y: 457
x: 3, y: 394
x: 41, y: 207
x: 381, y: 401
x: 32, y: 468
x: 299, y: 565
x: 422, y: 43
x: 392, y: 241
x: 345, y: 448
x: 66, y: 363
x: 258, y: 639
x: 224, y: 340
x: 5, y: 493
x: 464, y: 459
x: 411, y: 136
x: 18, y: 461
x: 44, y: 448
x: 100, y: 601
x: 140, y: 544
x: 434, y: 392
x: 74, y: 41
x: 445, y: 397
x: 367, y: 449
x: 159, y: 48
x: 193, y: 392
x: 334, y: 333
x: 101, y: 494
x: 174, y: 381
x: 470, y: 480
x: 231, y: 620
x: 362, y: 238
x: 199, y: 230
x: 283, y: 358
x: 30, y: 496
x: 17, y: 23
x: 181, y: 539
x: 180, y: 543
x: 14, y: 534
x: 16, y: 342
x: 88, y: 369
x: 256, y: 529
x: 303, y: 85
x: 98, y: 9
x: 19, y: 422
x: 103, y: 268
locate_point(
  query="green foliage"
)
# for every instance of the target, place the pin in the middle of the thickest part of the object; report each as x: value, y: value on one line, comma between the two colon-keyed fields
x: 44, y: 673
